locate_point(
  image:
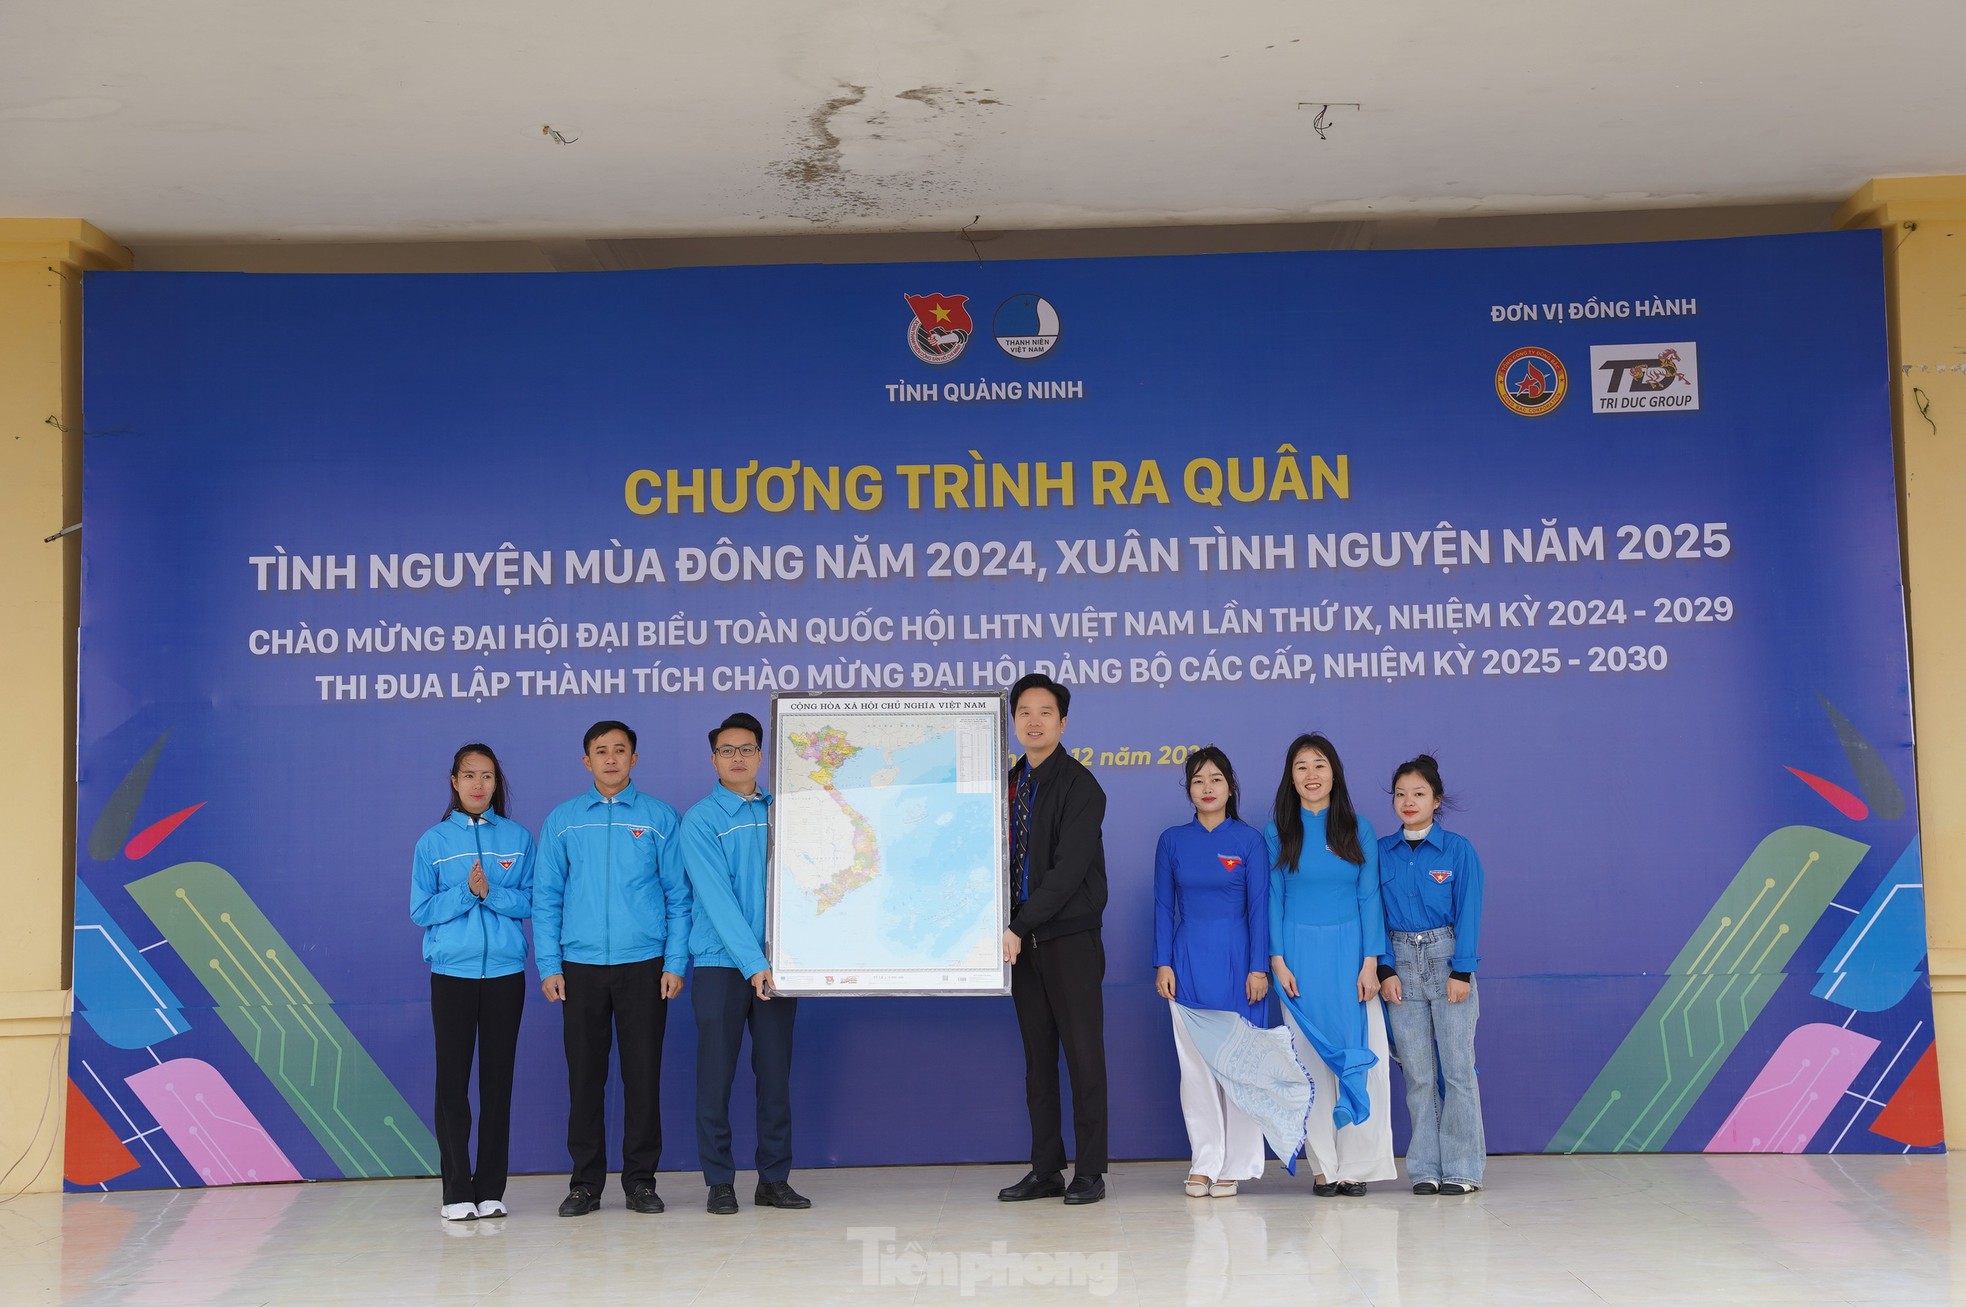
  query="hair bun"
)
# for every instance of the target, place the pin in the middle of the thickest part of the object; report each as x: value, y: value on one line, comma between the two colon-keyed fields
x: 1428, y: 759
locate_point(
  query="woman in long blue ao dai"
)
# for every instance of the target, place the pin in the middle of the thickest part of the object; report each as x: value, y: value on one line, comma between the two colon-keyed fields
x: 1327, y: 934
x: 1432, y: 885
x: 1240, y: 1083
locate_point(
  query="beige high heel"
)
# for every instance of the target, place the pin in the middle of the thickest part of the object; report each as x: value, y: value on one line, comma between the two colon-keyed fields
x: 1222, y: 1189
x: 1197, y: 1186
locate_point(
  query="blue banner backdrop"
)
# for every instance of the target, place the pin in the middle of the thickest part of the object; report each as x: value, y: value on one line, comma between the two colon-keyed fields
x: 1610, y: 530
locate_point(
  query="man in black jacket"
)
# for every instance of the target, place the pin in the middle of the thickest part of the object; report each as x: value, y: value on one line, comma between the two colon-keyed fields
x: 1058, y: 964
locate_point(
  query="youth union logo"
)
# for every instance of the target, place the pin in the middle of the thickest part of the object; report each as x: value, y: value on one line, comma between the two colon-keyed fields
x: 941, y: 327
x: 1026, y: 326
x: 1531, y: 381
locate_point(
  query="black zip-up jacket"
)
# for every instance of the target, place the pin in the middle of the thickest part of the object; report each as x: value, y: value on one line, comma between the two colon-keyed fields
x: 1068, y: 853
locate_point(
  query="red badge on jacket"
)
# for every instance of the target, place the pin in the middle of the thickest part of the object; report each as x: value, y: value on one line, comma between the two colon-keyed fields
x: 1441, y: 877
x: 1230, y: 865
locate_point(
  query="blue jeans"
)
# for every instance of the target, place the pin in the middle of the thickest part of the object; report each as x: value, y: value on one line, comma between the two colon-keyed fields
x: 1434, y: 1040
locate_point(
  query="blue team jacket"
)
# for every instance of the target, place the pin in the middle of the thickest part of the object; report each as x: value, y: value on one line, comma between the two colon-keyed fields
x: 1433, y: 884
x: 463, y: 936
x: 604, y: 893
x: 721, y: 847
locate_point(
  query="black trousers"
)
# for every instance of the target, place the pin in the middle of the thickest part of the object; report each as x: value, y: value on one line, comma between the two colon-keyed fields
x: 725, y: 1004
x: 605, y: 1003
x: 1057, y: 988
x: 480, y: 1014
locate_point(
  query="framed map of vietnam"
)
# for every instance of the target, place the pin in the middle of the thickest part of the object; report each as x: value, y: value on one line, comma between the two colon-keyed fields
x: 888, y: 844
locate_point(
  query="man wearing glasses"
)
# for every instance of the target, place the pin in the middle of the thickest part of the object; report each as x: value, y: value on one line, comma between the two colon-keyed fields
x: 721, y: 847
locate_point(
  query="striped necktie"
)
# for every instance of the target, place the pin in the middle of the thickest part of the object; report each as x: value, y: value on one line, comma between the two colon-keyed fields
x: 1020, y: 831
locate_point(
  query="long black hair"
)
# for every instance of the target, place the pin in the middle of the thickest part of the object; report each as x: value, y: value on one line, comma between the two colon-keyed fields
x: 1206, y: 754
x: 1340, y: 820
x: 498, y: 779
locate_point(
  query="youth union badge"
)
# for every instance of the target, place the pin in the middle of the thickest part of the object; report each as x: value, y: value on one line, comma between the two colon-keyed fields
x: 1026, y: 326
x: 941, y: 327
x: 1531, y: 381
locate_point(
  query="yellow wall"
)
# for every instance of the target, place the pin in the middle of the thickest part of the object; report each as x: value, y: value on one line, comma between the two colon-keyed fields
x: 1924, y: 222
x: 41, y: 262
x: 40, y: 492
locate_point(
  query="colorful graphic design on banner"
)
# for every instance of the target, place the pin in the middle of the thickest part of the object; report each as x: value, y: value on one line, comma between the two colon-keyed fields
x: 335, y: 527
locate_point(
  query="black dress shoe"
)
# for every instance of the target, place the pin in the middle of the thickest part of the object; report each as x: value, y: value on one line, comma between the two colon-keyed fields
x: 1352, y: 1188
x: 643, y: 1198
x: 723, y: 1200
x: 1458, y: 1188
x: 777, y: 1193
x: 1085, y: 1189
x: 1325, y: 1188
x: 1426, y: 1188
x: 1032, y: 1186
x: 579, y: 1201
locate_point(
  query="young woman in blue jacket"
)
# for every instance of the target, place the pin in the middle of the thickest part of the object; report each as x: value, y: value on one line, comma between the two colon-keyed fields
x: 1431, y: 880
x: 470, y: 887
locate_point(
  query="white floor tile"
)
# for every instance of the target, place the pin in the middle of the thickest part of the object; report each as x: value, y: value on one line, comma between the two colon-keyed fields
x: 1689, y: 1230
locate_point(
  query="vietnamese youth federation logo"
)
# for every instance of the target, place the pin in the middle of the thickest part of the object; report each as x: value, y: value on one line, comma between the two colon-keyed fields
x: 941, y: 327
x: 1026, y: 326
x: 1441, y: 877
x: 1230, y: 865
x: 1531, y: 381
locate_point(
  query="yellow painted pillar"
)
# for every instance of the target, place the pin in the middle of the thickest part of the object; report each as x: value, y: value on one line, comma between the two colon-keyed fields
x: 41, y: 263
x: 1924, y: 222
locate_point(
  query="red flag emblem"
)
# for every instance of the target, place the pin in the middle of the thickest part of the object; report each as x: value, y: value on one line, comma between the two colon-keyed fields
x: 1441, y: 877
x: 1229, y: 864
x: 941, y: 312
x: 505, y: 864
x: 636, y: 831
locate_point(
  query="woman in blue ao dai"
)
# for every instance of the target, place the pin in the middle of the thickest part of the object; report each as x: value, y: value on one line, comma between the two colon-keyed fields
x: 1327, y: 934
x: 1211, y: 942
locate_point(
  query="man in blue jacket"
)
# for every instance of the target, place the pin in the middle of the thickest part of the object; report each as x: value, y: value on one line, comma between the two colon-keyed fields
x: 611, y: 918
x: 721, y: 847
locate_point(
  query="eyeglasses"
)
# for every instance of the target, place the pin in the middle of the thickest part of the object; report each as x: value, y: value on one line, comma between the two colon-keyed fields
x: 728, y: 751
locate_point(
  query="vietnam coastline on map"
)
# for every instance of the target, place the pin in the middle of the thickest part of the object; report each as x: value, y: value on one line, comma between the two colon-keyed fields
x: 829, y: 750
x: 886, y: 846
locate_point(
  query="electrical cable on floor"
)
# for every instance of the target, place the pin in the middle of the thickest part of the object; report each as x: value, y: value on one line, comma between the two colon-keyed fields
x: 55, y: 1063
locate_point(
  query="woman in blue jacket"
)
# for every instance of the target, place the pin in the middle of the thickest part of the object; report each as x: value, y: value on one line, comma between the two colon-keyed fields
x: 1431, y: 879
x: 470, y: 886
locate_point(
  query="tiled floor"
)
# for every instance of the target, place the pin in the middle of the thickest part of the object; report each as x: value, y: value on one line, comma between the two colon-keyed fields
x: 1666, y: 1230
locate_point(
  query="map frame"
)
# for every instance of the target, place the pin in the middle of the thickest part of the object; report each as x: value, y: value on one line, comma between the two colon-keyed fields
x: 985, y: 711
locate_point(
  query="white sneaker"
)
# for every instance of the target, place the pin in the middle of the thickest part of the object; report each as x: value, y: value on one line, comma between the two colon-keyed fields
x: 459, y: 1212
x: 490, y: 1207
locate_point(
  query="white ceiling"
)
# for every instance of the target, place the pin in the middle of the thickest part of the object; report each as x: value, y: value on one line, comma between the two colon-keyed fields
x: 255, y: 120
